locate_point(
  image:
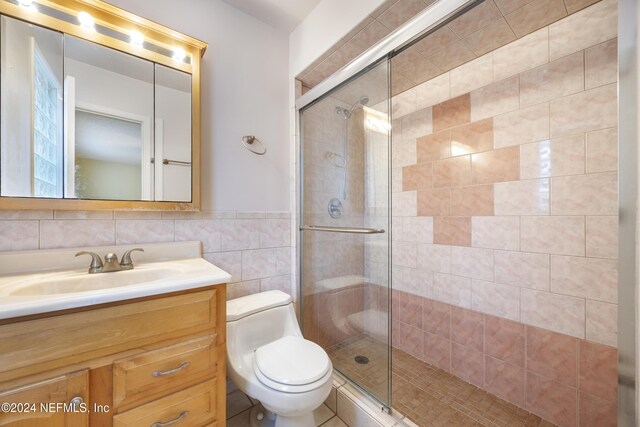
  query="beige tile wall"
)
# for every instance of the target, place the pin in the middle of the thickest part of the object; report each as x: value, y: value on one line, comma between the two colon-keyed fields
x: 492, y: 24
x: 254, y: 247
x: 511, y: 161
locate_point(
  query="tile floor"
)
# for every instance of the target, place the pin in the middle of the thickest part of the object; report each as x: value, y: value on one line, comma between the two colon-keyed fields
x: 426, y: 395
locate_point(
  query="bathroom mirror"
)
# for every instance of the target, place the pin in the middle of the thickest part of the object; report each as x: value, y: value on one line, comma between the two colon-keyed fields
x: 95, y: 114
x: 109, y: 113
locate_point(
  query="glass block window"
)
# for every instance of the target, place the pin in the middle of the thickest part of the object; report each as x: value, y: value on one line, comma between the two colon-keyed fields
x: 47, y: 149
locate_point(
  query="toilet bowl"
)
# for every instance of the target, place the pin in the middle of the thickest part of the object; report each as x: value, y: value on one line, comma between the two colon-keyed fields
x: 270, y: 361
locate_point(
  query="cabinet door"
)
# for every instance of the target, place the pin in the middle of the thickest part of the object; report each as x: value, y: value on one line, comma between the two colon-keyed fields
x: 48, y: 403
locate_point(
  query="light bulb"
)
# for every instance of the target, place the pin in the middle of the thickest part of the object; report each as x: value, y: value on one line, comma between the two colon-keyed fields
x: 179, y: 54
x: 86, y: 21
x: 136, y: 38
x: 26, y: 3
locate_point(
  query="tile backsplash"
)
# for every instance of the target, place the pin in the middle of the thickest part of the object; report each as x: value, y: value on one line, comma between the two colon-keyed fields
x: 254, y: 247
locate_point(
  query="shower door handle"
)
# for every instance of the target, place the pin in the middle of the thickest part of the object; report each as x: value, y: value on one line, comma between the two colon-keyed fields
x: 350, y: 230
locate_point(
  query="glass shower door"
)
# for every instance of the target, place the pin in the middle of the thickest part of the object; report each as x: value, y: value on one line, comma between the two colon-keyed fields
x: 345, y: 236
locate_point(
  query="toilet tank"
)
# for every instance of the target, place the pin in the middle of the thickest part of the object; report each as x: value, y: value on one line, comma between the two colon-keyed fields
x: 258, y: 319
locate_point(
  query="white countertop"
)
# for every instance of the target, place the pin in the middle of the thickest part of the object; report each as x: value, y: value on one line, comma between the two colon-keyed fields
x: 164, y: 267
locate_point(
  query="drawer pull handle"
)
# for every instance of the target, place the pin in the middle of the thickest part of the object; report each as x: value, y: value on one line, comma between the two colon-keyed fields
x: 180, y: 417
x: 170, y: 371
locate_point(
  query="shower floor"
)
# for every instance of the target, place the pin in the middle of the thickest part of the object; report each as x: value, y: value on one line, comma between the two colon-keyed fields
x: 425, y: 394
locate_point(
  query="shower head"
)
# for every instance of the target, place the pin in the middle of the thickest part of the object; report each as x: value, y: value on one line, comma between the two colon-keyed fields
x: 346, y: 114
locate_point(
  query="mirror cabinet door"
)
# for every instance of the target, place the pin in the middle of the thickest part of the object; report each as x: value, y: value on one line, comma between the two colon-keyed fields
x: 173, y: 135
x: 84, y: 121
x: 108, y: 107
x: 31, y: 110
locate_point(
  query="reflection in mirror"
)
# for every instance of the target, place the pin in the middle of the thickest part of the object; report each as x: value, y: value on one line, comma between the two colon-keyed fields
x: 97, y: 168
x: 172, y: 135
x: 108, y: 107
x: 31, y: 110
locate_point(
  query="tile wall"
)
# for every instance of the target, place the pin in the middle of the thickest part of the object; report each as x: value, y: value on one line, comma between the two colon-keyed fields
x: 508, y: 165
x: 565, y: 380
x: 492, y: 24
x: 514, y: 175
x: 254, y: 247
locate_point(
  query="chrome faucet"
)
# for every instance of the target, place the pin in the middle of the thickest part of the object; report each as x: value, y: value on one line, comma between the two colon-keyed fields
x: 110, y: 261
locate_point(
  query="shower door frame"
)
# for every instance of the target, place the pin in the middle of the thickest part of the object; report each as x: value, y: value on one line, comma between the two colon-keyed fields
x: 435, y: 16
x: 628, y: 287
x: 301, y: 227
x: 427, y: 21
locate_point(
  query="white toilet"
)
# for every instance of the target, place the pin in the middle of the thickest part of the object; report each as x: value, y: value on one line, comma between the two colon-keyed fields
x: 270, y: 361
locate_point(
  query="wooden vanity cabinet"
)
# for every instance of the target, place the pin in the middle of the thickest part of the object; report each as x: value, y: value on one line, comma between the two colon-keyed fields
x: 132, y: 363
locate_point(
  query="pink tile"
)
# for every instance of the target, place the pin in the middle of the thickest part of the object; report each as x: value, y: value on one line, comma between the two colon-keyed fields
x: 411, y: 309
x: 598, y: 370
x: 395, y: 304
x: 433, y: 147
x: 504, y: 339
x: 552, y: 401
x: 395, y: 334
x: 327, y: 334
x: 467, y: 328
x: 437, y: 351
x: 436, y: 318
x: 451, y: 172
x: 504, y: 380
x: 434, y: 202
x: 595, y: 412
x: 553, y: 355
x: 495, y: 166
x: 467, y: 363
x: 417, y: 177
x: 453, y: 112
x: 472, y: 138
x: 449, y: 230
x: 411, y: 340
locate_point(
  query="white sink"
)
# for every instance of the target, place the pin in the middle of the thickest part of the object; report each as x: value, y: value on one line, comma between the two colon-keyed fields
x: 25, y: 291
x: 74, y: 281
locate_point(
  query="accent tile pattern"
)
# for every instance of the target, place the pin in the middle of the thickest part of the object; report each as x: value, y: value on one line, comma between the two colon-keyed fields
x: 522, y: 165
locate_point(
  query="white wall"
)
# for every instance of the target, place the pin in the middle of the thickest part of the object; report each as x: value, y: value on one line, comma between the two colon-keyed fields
x: 244, y: 92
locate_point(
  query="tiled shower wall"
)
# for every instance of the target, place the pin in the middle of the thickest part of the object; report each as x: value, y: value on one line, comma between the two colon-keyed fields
x: 507, y: 167
x: 254, y: 247
x: 333, y: 262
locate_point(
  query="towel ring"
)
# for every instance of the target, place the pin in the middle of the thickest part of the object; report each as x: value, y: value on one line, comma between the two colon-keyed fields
x: 248, y: 141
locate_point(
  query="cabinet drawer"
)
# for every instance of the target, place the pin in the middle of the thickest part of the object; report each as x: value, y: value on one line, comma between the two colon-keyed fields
x: 154, y: 373
x: 67, y: 339
x: 195, y: 406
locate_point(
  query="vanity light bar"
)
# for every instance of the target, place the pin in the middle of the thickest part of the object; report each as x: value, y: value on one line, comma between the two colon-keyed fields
x: 87, y: 22
x: 136, y: 38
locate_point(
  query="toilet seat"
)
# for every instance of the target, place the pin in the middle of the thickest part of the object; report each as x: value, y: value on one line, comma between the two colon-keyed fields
x: 291, y: 364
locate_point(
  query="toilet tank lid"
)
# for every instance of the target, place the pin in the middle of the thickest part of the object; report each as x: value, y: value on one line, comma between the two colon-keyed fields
x: 251, y: 304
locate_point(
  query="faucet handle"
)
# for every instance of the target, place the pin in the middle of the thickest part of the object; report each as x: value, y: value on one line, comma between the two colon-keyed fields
x: 126, y: 262
x: 111, y: 258
x: 96, y: 262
